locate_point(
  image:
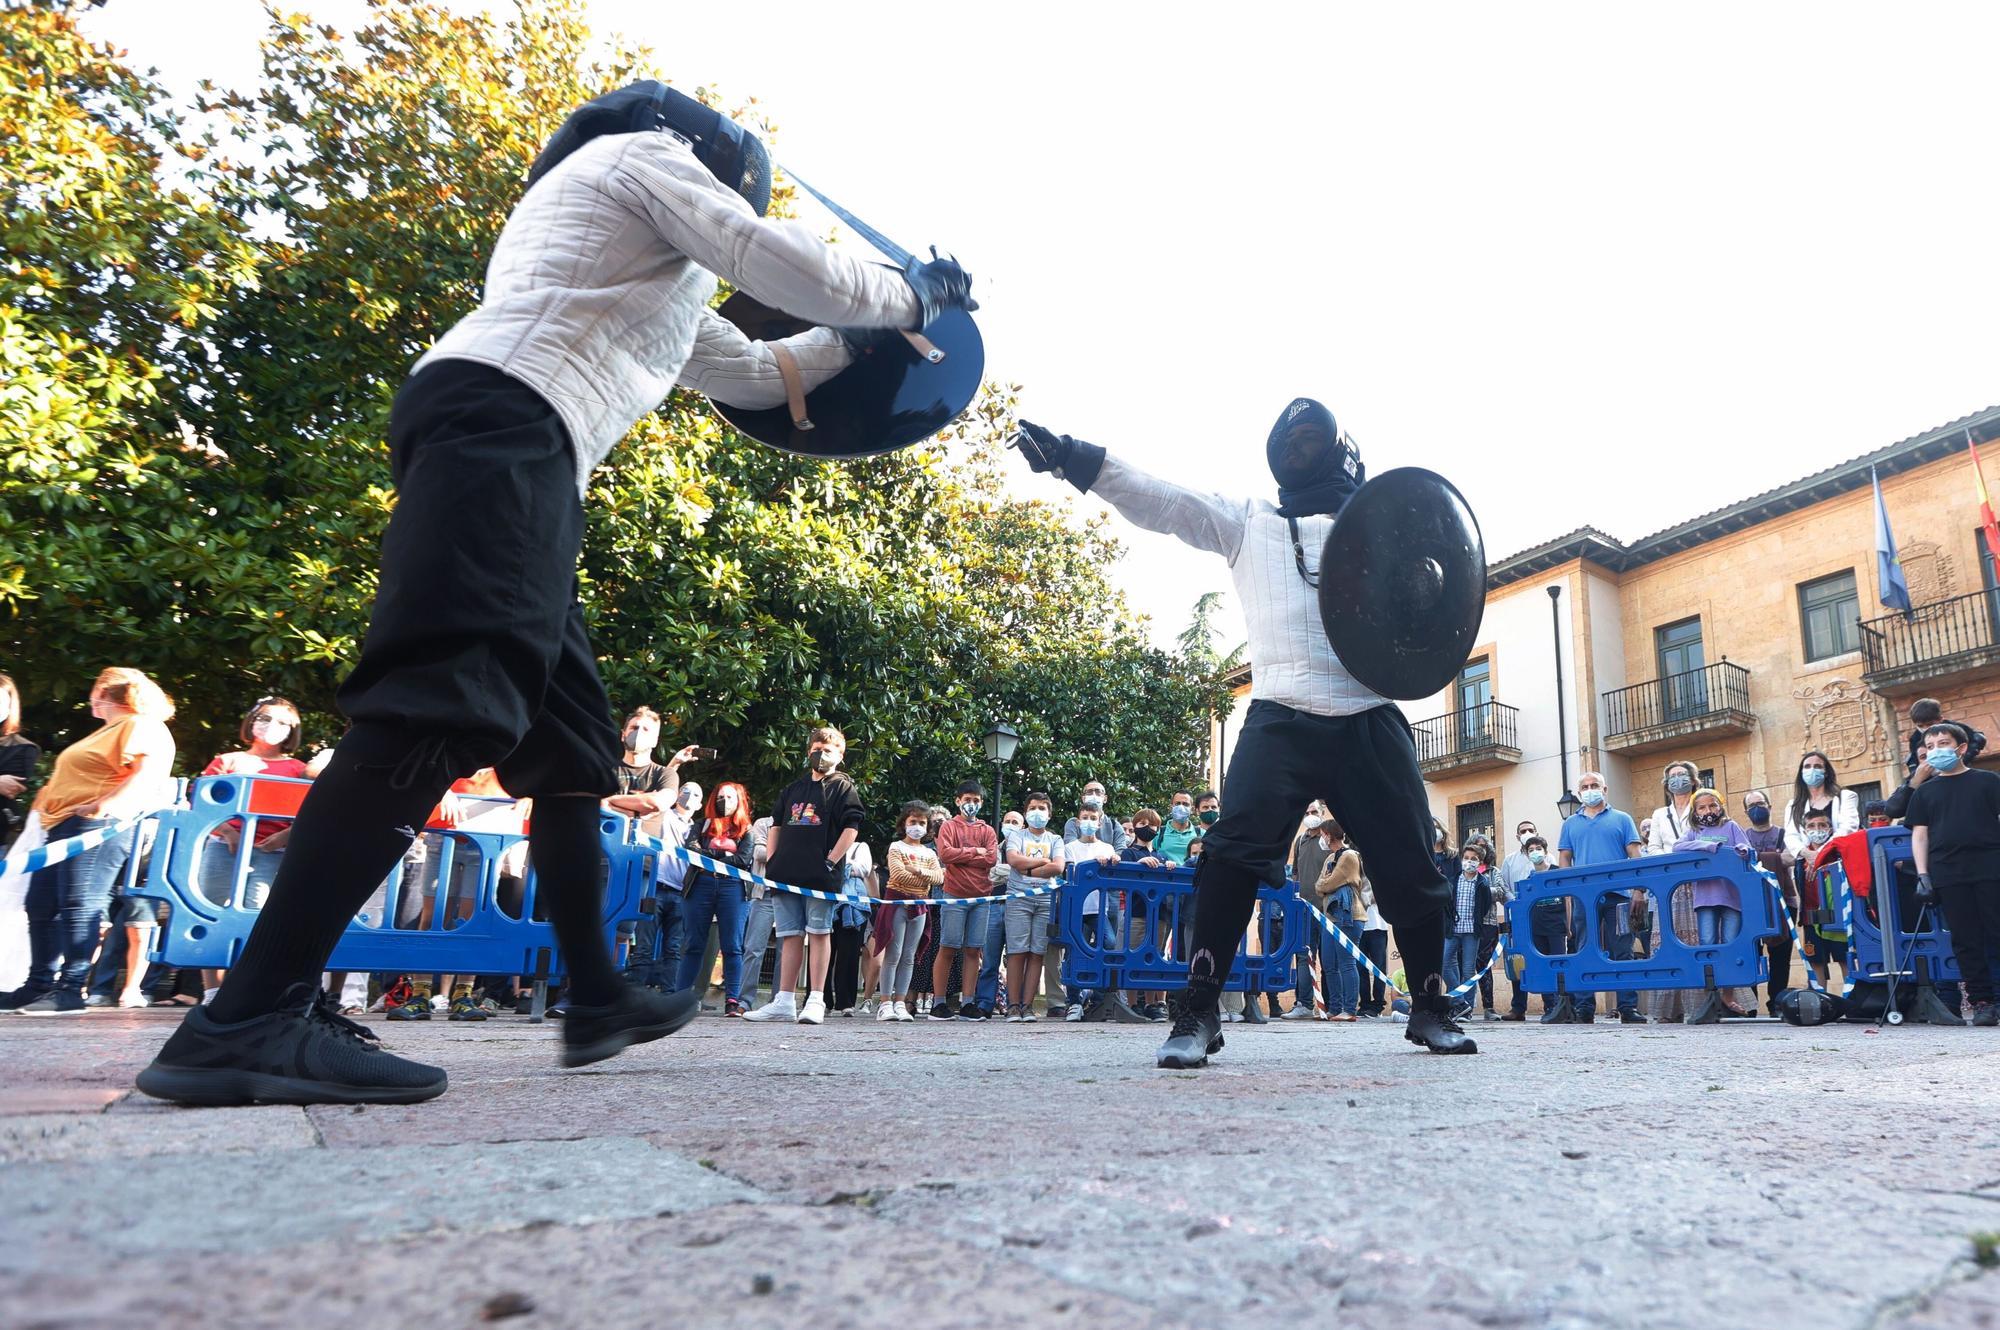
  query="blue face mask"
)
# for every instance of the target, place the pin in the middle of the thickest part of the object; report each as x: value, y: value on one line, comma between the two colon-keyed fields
x: 1679, y: 785
x: 970, y: 808
x: 1813, y: 777
x: 1591, y: 798
x: 1942, y: 759
x: 1759, y: 815
x: 1038, y: 818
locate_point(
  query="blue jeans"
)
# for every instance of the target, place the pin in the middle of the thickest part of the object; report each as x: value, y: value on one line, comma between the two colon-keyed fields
x: 1622, y: 950
x: 655, y: 957
x: 1716, y: 924
x: 66, y: 903
x: 1461, y: 962
x: 987, y: 992
x: 1339, y: 970
x: 757, y: 926
x: 719, y: 901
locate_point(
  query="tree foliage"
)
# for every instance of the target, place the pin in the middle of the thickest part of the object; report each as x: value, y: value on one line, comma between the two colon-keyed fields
x: 204, y: 332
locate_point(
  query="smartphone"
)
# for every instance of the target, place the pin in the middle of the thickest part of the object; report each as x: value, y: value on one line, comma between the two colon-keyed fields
x: 705, y: 754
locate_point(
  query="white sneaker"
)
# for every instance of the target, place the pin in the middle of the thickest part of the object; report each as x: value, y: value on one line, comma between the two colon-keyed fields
x: 887, y: 1012
x: 1028, y: 1017
x: 779, y: 1008
x: 1074, y: 1014
x: 1013, y: 1020
x: 208, y: 996
x: 815, y: 1010
x: 903, y: 1013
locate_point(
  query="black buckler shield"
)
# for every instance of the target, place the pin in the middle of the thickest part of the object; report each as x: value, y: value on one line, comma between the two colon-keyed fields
x: 1402, y: 583
x: 889, y: 398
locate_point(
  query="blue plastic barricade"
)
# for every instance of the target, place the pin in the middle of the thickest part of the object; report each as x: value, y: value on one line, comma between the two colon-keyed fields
x: 1124, y: 926
x: 1922, y: 942
x: 1675, y: 962
x: 463, y: 902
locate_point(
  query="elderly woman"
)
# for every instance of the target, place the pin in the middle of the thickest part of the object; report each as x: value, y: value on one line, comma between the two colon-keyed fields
x: 115, y: 773
x: 1718, y: 910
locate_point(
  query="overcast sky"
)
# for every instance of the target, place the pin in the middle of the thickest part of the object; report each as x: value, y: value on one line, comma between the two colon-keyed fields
x: 1600, y: 264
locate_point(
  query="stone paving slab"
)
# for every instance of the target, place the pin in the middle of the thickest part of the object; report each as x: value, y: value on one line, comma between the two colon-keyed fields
x: 946, y: 1174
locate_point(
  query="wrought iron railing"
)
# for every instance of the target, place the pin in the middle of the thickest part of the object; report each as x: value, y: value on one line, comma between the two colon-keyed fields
x: 1933, y: 632
x: 1466, y: 733
x: 1677, y: 697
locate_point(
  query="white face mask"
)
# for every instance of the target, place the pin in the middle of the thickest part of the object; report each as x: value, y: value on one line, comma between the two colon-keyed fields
x: 1313, y: 821
x: 1523, y: 837
x: 273, y: 732
x: 916, y: 830
x: 1469, y: 867
x: 690, y: 796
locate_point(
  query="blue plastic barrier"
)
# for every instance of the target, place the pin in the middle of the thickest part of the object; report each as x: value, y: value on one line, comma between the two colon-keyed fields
x: 1123, y: 944
x: 1922, y: 955
x: 466, y: 928
x: 1676, y: 963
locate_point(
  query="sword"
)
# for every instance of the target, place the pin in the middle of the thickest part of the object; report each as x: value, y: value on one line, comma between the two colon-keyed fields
x: 890, y: 249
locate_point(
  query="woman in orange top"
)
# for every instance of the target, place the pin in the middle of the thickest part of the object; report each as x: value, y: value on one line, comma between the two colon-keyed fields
x: 118, y: 771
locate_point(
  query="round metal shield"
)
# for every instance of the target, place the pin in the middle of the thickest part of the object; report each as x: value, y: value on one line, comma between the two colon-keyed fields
x: 889, y: 398
x: 1402, y: 583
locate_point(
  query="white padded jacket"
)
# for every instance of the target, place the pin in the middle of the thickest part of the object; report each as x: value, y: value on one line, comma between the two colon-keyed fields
x: 1291, y: 660
x: 597, y: 293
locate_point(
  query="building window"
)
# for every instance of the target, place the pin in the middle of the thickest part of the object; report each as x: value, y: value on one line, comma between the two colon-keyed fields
x: 1830, y: 616
x: 1683, y: 687
x: 1475, y: 690
x: 1475, y: 820
x: 1867, y: 792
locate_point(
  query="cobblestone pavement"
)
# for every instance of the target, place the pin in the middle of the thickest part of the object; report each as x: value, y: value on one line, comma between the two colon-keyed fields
x: 940, y: 1175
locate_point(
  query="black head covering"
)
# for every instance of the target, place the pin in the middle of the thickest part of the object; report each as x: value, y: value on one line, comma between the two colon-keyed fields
x: 1316, y: 466
x: 732, y: 153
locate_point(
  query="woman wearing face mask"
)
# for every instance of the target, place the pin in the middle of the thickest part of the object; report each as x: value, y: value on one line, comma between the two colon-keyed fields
x: 1669, y: 822
x: 1718, y: 910
x: 711, y: 899
x: 1308, y: 856
x: 1817, y: 789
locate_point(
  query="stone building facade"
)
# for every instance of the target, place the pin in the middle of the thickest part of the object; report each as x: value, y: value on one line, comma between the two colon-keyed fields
x: 1736, y: 641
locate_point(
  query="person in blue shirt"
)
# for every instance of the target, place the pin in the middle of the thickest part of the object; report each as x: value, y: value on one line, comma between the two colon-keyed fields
x: 1600, y: 834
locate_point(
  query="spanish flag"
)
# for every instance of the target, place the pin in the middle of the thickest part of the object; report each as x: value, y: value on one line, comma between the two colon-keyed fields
x: 1986, y: 519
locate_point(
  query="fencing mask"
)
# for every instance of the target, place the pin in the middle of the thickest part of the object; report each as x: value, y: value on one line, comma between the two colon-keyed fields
x: 732, y: 153
x: 1316, y: 466
x: 1807, y: 1006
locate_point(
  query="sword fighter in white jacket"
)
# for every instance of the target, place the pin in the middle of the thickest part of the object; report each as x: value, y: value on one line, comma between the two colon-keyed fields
x: 595, y: 308
x: 1313, y: 731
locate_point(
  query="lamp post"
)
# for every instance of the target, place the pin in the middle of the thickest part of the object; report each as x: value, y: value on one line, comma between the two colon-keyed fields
x: 1001, y: 741
x: 1568, y: 803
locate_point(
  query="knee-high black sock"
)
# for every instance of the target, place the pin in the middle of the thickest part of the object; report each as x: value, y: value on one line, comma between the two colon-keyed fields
x: 562, y: 843
x: 357, y: 821
x: 1422, y: 943
x: 1224, y: 897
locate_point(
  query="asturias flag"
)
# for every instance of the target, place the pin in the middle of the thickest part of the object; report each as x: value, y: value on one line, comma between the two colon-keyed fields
x: 1888, y: 568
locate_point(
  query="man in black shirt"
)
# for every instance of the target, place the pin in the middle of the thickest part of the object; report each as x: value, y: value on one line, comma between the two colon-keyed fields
x: 813, y: 826
x: 1954, y: 822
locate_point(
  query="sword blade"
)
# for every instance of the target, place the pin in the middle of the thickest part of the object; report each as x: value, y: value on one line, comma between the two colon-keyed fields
x: 889, y: 248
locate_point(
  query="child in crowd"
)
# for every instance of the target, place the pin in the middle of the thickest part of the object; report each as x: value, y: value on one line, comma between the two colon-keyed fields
x: 1718, y: 909
x: 914, y: 870
x: 1034, y: 859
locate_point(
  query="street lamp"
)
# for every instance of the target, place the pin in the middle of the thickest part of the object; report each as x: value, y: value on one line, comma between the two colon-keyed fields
x: 1001, y: 741
x: 1569, y: 803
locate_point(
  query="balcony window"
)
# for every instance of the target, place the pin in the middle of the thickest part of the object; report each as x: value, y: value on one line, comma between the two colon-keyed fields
x: 1830, y: 616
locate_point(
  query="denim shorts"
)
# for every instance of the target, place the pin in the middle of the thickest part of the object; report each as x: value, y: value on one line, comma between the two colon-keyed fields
x: 961, y: 925
x: 1027, y: 925
x: 798, y: 914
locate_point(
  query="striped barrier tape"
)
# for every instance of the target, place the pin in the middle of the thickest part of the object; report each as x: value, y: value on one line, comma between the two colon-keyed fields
x: 720, y: 868
x: 1353, y: 949
x: 1798, y: 940
x: 58, y: 851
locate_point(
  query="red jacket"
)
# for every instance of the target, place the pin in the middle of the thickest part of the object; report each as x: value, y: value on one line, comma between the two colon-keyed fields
x: 967, y: 848
x: 1852, y: 851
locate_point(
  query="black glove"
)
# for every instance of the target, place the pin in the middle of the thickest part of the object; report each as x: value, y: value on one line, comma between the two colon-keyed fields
x: 1059, y: 455
x: 1926, y: 893
x: 940, y: 285
x: 860, y: 341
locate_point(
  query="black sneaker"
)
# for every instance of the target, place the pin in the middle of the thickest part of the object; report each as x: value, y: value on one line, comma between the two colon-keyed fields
x: 1154, y: 1011
x: 305, y: 1052
x: 638, y: 1016
x: 1253, y: 1012
x: 1985, y: 1013
x: 971, y: 1011
x: 55, y: 1002
x: 1559, y: 1012
x: 944, y: 1011
x: 1631, y: 1017
x: 32, y: 991
x: 1195, y: 1036
x: 1433, y: 1025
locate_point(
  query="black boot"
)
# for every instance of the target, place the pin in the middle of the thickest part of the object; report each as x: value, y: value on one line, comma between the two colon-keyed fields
x: 1432, y: 1025
x: 1196, y: 1033
x: 1253, y: 1009
x: 1559, y: 1012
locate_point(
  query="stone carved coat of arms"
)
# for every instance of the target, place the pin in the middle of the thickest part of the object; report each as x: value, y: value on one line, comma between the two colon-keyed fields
x: 1844, y: 721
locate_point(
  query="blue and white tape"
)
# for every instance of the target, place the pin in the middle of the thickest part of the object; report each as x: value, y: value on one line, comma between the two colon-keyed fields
x: 839, y: 897
x: 1353, y: 949
x: 57, y: 851
x: 1846, y: 926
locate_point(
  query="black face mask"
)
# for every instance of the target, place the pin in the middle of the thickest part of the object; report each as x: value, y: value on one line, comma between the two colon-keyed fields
x: 1144, y: 835
x: 1315, y: 465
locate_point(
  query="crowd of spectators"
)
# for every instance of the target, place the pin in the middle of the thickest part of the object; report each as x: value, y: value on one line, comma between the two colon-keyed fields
x: 961, y: 922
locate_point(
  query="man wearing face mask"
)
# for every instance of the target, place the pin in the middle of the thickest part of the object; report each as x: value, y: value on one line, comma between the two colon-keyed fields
x: 1954, y: 824
x: 813, y: 826
x: 1110, y: 830
x: 1313, y: 730
x: 1597, y: 833
x: 1180, y: 830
